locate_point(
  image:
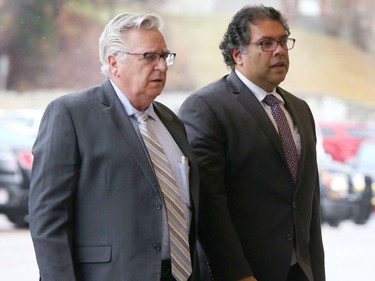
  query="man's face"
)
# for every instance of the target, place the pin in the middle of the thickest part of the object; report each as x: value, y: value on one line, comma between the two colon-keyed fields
x: 265, y: 69
x: 140, y: 80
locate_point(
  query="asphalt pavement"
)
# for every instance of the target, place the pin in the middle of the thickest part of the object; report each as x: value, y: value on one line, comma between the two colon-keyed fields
x: 349, y: 251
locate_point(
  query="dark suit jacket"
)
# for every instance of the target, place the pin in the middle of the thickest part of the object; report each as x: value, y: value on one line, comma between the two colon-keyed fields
x: 95, y: 206
x: 251, y: 210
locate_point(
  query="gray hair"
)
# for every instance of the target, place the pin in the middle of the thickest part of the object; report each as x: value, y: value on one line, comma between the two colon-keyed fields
x: 112, y: 41
x: 238, y: 34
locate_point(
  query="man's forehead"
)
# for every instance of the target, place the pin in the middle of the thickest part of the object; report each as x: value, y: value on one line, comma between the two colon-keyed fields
x: 267, y: 28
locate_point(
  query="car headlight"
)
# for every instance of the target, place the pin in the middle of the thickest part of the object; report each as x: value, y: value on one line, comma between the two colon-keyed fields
x: 337, y: 183
x: 359, y: 182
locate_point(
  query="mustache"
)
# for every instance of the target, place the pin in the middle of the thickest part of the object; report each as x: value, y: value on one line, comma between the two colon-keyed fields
x: 279, y: 63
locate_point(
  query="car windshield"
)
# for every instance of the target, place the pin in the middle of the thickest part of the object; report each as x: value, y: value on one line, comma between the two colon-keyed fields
x: 366, y: 155
x: 361, y: 132
x: 15, y: 136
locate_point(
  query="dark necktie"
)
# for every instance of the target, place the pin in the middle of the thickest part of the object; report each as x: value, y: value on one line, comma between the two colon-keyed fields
x: 178, y: 233
x: 289, y: 147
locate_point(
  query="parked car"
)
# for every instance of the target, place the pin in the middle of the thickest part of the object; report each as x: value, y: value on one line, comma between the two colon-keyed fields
x: 343, y: 189
x: 28, y: 119
x: 342, y: 139
x: 15, y: 167
x: 344, y: 193
x: 364, y: 161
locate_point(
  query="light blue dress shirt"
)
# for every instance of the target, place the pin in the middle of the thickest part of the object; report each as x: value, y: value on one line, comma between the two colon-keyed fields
x: 176, y: 158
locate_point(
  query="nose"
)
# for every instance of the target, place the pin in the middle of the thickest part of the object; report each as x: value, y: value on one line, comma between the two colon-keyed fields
x: 279, y: 48
x: 161, y: 65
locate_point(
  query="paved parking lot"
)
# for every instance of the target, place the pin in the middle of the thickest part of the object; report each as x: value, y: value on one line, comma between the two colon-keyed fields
x: 17, y: 260
x: 350, y: 252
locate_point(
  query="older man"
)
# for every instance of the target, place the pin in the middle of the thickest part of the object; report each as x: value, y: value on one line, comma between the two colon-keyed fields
x: 114, y: 186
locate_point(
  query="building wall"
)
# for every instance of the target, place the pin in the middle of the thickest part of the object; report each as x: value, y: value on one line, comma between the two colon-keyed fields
x: 212, y: 6
x: 190, y: 7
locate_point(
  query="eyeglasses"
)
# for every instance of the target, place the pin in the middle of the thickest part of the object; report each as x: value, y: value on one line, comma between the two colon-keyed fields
x: 271, y: 45
x: 154, y: 57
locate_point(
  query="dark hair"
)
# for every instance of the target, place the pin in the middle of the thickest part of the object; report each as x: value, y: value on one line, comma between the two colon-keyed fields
x: 238, y: 34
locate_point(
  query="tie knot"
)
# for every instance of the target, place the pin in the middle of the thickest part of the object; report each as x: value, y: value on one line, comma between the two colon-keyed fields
x: 141, y: 117
x: 270, y: 100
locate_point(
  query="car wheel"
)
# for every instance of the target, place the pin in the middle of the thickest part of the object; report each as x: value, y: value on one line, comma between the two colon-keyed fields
x: 19, y: 220
x: 333, y: 222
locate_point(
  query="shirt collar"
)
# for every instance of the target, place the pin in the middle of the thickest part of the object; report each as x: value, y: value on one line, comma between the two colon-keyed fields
x: 129, y: 108
x: 258, y: 92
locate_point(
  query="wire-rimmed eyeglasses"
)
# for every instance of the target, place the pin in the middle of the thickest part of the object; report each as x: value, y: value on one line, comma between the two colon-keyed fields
x: 154, y: 57
x: 271, y: 45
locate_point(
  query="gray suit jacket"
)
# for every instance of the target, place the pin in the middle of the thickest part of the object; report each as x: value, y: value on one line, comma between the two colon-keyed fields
x: 95, y: 206
x: 251, y: 211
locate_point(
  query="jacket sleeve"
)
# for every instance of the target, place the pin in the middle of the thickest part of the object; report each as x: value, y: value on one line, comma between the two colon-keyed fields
x: 53, y: 180
x: 316, y: 243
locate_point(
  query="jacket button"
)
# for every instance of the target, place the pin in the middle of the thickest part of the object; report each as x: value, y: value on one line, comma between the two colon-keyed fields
x: 157, y: 206
x: 294, y: 204
x: 156, y: 246
x: 289, y: 237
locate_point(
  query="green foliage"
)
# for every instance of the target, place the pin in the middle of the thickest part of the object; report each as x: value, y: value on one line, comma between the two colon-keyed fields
x: 53, y: 43
x: 31, y: 38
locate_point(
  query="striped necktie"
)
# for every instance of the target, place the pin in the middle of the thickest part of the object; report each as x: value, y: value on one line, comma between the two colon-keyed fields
x: 289, y: 146
x: 178, y: 232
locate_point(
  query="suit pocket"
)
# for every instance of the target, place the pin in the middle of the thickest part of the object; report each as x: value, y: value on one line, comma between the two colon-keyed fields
x: 94, y: 254
x: 184, y: 169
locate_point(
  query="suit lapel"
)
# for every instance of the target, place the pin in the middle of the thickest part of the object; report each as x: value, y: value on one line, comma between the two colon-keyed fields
x: 114, y: 110
x: 250, y: 103
x: 174, y: 129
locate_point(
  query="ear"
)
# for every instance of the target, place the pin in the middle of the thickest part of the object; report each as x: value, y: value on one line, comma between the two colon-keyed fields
x: 237, y: 56
x: 113, y: 64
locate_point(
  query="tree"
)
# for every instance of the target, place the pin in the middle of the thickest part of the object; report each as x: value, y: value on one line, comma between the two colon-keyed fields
x: 30, y: 39
x: 361, y: 23
x: 351, y: 19
x: 32, y: 35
